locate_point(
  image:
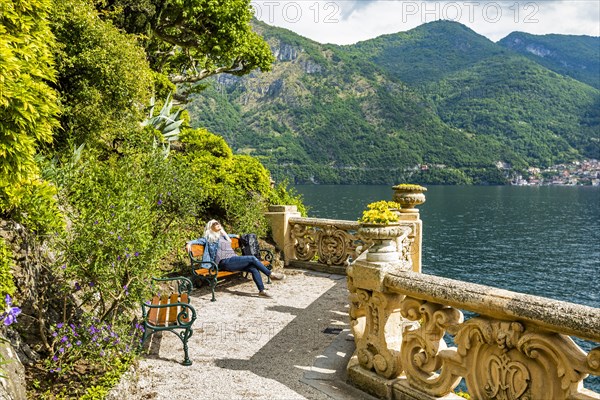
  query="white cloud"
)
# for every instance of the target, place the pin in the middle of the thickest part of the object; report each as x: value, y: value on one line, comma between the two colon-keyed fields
x: 345, y: 22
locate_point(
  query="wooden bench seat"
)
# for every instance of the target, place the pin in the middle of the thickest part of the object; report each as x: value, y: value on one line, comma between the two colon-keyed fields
x: 207, y: 271
x: 170, y: 312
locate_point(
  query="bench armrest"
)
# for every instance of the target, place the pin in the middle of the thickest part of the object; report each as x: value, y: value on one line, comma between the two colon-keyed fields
x: 213, y: 269
x: 266, y: 255
x: 185, y: 317
x: 184, y: 285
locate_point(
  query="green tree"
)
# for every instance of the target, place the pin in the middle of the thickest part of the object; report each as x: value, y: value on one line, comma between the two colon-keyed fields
x: 104, y: 78
x: 190, y: 40
x: 28, y: 110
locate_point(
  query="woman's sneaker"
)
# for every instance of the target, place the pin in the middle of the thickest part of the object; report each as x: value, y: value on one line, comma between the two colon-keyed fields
x: 264, y: 294
x: 277, y: 276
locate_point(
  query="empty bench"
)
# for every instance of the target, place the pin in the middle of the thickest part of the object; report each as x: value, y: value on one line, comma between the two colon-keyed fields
x: 208, y: 271
x: 170, y: 312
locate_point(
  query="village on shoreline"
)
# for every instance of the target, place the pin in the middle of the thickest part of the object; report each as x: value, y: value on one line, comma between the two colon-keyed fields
x: 577, y: 173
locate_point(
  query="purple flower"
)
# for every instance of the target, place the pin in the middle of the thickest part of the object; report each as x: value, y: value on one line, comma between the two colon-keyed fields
x: 64, y: 339
x: 91, y: 284
x: 96, y: 222
x: 119, y: 237
x: 118, y: 258
x: 61, y: 350
x: 64, y: 266
x: 126, y: 290
x: 94, y: 330
x: 10, y: 313
x: 60, y: 325
x: 78, y: 343
x: 137, y: 253
x: 77, y: 286
x: 159, y: 202
x: 55, y: 358
x: 127, y: 255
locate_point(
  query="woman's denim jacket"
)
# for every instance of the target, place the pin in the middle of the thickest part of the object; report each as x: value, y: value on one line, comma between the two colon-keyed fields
x: 210, y: 249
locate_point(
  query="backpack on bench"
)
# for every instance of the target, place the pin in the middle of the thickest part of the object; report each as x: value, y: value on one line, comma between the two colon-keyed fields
x: 249, y: 245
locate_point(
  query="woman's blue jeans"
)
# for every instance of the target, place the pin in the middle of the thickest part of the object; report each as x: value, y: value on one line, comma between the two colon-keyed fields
x: 248, y: 264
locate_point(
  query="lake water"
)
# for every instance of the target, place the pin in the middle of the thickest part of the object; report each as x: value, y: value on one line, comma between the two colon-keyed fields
x: 543, y: 241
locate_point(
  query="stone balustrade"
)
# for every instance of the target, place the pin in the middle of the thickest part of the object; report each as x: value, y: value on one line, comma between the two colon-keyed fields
x: 330, y: 244
x: 515, y: 346
x: 412, y: 338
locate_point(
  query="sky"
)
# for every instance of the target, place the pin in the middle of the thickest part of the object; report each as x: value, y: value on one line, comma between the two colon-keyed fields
x: 351, y: 21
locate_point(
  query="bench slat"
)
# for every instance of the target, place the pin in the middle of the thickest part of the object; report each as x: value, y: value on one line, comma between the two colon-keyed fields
x: 162, y: 312
x: 204, y: 272
x: 152, y: 316
x: 173, y: 310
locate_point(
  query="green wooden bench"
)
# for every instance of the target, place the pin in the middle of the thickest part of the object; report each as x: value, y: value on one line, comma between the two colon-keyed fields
x: 170, y: 312
x: 208, y: 271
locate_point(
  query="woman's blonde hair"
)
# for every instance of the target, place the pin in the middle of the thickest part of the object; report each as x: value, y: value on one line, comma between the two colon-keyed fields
x: 212, y: 236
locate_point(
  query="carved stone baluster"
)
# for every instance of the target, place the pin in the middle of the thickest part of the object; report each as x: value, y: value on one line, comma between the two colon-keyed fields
x: 379, y: 347
x: 376, y: 322
x: 424, y: 351
x: 303, y: 237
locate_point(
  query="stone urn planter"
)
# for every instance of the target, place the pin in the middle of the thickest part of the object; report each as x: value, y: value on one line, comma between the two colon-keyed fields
x: 409, y: 196
x: 384, y: 236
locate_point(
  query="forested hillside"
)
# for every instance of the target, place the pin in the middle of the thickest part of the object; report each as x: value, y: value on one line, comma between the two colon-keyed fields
x: 574, y: 56
x: 378, y: 111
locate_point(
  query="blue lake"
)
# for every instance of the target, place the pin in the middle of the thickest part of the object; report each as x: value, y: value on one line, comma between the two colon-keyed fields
x: 537, y: 240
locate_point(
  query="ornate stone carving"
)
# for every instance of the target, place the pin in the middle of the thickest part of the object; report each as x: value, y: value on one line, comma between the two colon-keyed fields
x: 304, y: 240
x: 424, y: 352
x: 334, y: 246
x: 508, y: 360
x: 375, y: 322
x: 593, y: 361
x: 384, y: 237
x: 331, y: 245
x: 338, y: 242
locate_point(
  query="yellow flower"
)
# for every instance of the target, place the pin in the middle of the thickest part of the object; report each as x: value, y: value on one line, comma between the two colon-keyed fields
x: 380, y: 212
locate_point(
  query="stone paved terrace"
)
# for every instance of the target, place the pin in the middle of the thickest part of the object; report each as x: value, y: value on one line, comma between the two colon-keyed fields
x: 246, y: 347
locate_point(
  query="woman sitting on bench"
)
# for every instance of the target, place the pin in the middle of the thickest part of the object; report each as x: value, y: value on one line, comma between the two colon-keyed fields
x: 218, y: 245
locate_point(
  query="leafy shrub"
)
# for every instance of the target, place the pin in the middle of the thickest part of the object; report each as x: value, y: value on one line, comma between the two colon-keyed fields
x: 91, y: 340
x: 234, y: 187
x: 28, y: 105
x: 103, y: 74
x: 7, y: 284
x: 33, y: 204
x: 117, y: 235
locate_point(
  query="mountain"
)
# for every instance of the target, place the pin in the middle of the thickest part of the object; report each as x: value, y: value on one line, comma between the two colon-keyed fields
x: 437, y: 104
x: 574, y: 56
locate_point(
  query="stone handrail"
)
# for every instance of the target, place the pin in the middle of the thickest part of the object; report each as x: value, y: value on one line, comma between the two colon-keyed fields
x: 515, y: 347
x: 332, y: 242
x: 337, y: 242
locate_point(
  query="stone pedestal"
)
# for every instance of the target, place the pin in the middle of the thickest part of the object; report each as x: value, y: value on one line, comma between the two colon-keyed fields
x: 278, y: 217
